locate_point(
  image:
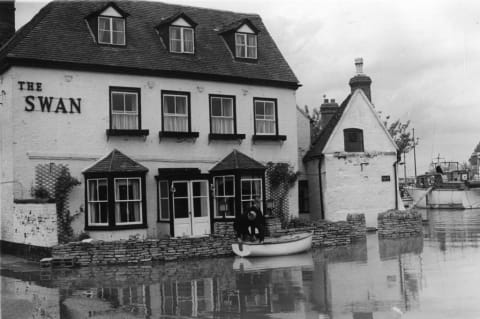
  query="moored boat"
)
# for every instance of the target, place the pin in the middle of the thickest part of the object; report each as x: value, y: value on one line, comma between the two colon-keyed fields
x: 275, y: 246
x: 450, y: 189
x: 303, y: 260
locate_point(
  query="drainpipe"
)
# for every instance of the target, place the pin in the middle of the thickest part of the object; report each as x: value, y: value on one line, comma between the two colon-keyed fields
x: 320, y: 184
x: 395, y: 177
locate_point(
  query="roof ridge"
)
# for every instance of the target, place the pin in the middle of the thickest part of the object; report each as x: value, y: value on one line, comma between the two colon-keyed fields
x: 204, y: 8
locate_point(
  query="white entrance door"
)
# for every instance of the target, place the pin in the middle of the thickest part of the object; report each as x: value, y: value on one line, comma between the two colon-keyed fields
x: 191, y: 208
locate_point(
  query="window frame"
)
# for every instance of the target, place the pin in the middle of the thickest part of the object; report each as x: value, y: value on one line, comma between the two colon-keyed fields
x: 182, y: 39
x: 360, y: 143
x: 234, y: 112
x: 159, y: 198
x: 139, y: 200
x: 246, y: 46
x: 112, y: 223
x: 111, y: 18
x: 89, y: 218
x: 216, y: 214
x: 126, y: 90
x: 251, y: 179
x: 275, y: 105
x: 165, y: 93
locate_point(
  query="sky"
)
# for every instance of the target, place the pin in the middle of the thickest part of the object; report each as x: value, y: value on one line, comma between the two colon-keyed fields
x: 422, y: 56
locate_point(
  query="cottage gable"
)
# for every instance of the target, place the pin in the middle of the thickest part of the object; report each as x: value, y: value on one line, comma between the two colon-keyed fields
x: 359, y: 114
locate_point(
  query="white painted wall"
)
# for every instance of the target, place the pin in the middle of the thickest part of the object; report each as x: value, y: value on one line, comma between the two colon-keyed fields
x: 80, y: 139
x: 349, y: 186
x: 32, y: 224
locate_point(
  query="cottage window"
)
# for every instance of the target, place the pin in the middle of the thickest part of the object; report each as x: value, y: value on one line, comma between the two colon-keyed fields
x: 246, y: 45
x: 181, y: 39
x: 128, y: 198
x: 251, y: 189
x: 163, y: 198
x: 176, y: 111
x: 222, y: 115
x: 111, y: 30
x: 97, y: 199
x: 224, y: 196
x: 353, y: 139
x: 265, y: 116
x: 125, y: 108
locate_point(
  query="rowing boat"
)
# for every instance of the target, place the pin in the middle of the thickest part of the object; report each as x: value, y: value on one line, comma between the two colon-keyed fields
x: 275, y: 246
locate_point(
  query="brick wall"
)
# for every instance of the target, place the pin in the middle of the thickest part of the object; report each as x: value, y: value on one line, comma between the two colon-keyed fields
x: 395, y: 224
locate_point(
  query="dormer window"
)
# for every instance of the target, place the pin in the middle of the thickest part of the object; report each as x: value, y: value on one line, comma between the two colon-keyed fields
x: 181, y: 36
x: 108, y: 25
x: 111, y: 30
x: 241, y: 38
x: 245, y: 45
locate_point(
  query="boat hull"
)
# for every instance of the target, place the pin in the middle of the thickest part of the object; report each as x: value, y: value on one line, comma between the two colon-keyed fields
x: 284, y: 245
x: 446, y: 198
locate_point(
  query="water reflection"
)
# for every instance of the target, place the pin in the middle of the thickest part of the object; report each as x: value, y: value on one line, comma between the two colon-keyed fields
x: 371, y: 279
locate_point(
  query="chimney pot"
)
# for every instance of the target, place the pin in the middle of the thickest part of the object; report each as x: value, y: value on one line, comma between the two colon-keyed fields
x: 359, y: 65
x: 332, y: 101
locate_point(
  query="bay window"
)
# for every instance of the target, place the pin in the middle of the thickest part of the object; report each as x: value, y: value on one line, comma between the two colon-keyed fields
x: 251, y: 190
x: 224, y: 196
x: 128, y: 209
x: 97, y: 199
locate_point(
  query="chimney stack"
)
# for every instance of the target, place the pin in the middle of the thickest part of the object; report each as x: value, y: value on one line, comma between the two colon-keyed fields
x: 360, y: 80
x: 327, y: 110
x: 7, y: 20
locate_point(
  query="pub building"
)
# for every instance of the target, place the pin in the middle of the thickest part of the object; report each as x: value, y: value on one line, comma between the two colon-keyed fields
x: 166, y: 114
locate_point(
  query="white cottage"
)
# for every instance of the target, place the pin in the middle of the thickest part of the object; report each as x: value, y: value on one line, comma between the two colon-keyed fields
x: 352, y: 165
x: 166, y: 114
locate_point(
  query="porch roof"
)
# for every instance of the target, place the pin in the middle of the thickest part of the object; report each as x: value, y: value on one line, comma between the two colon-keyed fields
x: 116, y: 162
x: 237, y: 161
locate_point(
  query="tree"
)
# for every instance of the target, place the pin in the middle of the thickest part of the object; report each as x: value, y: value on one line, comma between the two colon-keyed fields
x: 400, y: 135
x: 314, y: 118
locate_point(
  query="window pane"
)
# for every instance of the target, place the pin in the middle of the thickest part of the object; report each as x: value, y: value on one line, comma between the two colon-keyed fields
x: 227, y: 107
x: 131, y: 102
x: 240, y: 39
x: 104, y: 37
x: 181, y: 207
x: 121, y: 189
x: 219, y: 186
x: 259, y: 108
x: 164, y: 209
x: 102, y: 190
x: 175, y: 33
x: 103, y: 212
x: 229, y: 187
x: 134, y: 189
x: 175, y: 45
x: 117, y: 102
x: 118, y: 25
x: 188, y: 34
x: 92, y: 190
x: 188, y: 40
x: 104, y: 23
x: 216, y: 107
x: 251, y: 40
x: 246, y: 189
x: 181, y: 105
x: 169, y: 104
x: 118, y: 38
x: 252, y: 52
x: 181, y: 189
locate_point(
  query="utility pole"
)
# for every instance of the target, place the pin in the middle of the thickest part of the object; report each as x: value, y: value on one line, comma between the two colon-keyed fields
x: 414, y: 154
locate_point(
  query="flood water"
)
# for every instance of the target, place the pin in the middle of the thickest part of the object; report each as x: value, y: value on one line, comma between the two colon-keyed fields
x: 437, y: 276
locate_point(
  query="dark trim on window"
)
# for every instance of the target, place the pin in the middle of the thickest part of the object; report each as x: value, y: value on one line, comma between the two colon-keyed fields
x: 118, y: 69
x: 226, y: 137
x: 122, y: 89
x: 111, y: 200
x: 234, y: 104
x: 356, y: 146
x: 257, y: 138
x: 164, y: 133
x: 113, y: 132
x: 275, y: 101
x: 178, y: 134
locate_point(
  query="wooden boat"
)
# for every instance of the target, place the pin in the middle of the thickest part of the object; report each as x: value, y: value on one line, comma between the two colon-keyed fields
x: 275, y: 246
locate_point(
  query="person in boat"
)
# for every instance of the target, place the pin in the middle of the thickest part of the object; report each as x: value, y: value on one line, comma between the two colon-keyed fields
x: 241, y: 226
x: 256, y: 220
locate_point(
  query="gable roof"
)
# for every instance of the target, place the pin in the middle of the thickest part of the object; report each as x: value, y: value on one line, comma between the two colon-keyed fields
x: 116, y: 162
x: 59, y: 37
x: 237, y: 161
x: 318, y: 145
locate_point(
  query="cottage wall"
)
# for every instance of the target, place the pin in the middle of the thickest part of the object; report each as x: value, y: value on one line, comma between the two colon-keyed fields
x: 362, y: 182
x: 79, y: 139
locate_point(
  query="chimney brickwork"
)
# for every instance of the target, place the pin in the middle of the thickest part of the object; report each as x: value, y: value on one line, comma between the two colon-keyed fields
x: 327, y: 110
x: 360, y: 80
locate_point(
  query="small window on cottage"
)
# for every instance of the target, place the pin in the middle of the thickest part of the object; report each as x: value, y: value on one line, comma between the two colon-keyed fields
x: 111, y: 30
x: 124, y: 104
x: 353, y: 139
x: 222, y: 115
x: 265, y: 116
x: 175, y: 112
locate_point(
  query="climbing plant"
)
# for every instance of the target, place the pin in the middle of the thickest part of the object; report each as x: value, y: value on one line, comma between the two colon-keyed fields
x: 280, y: 178
x: 63, y: 186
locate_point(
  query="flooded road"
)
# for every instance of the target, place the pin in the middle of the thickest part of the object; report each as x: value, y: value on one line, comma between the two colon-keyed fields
x: 436, y: 276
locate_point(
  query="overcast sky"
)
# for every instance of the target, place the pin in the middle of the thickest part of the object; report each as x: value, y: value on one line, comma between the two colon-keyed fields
x: 423, y: 58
